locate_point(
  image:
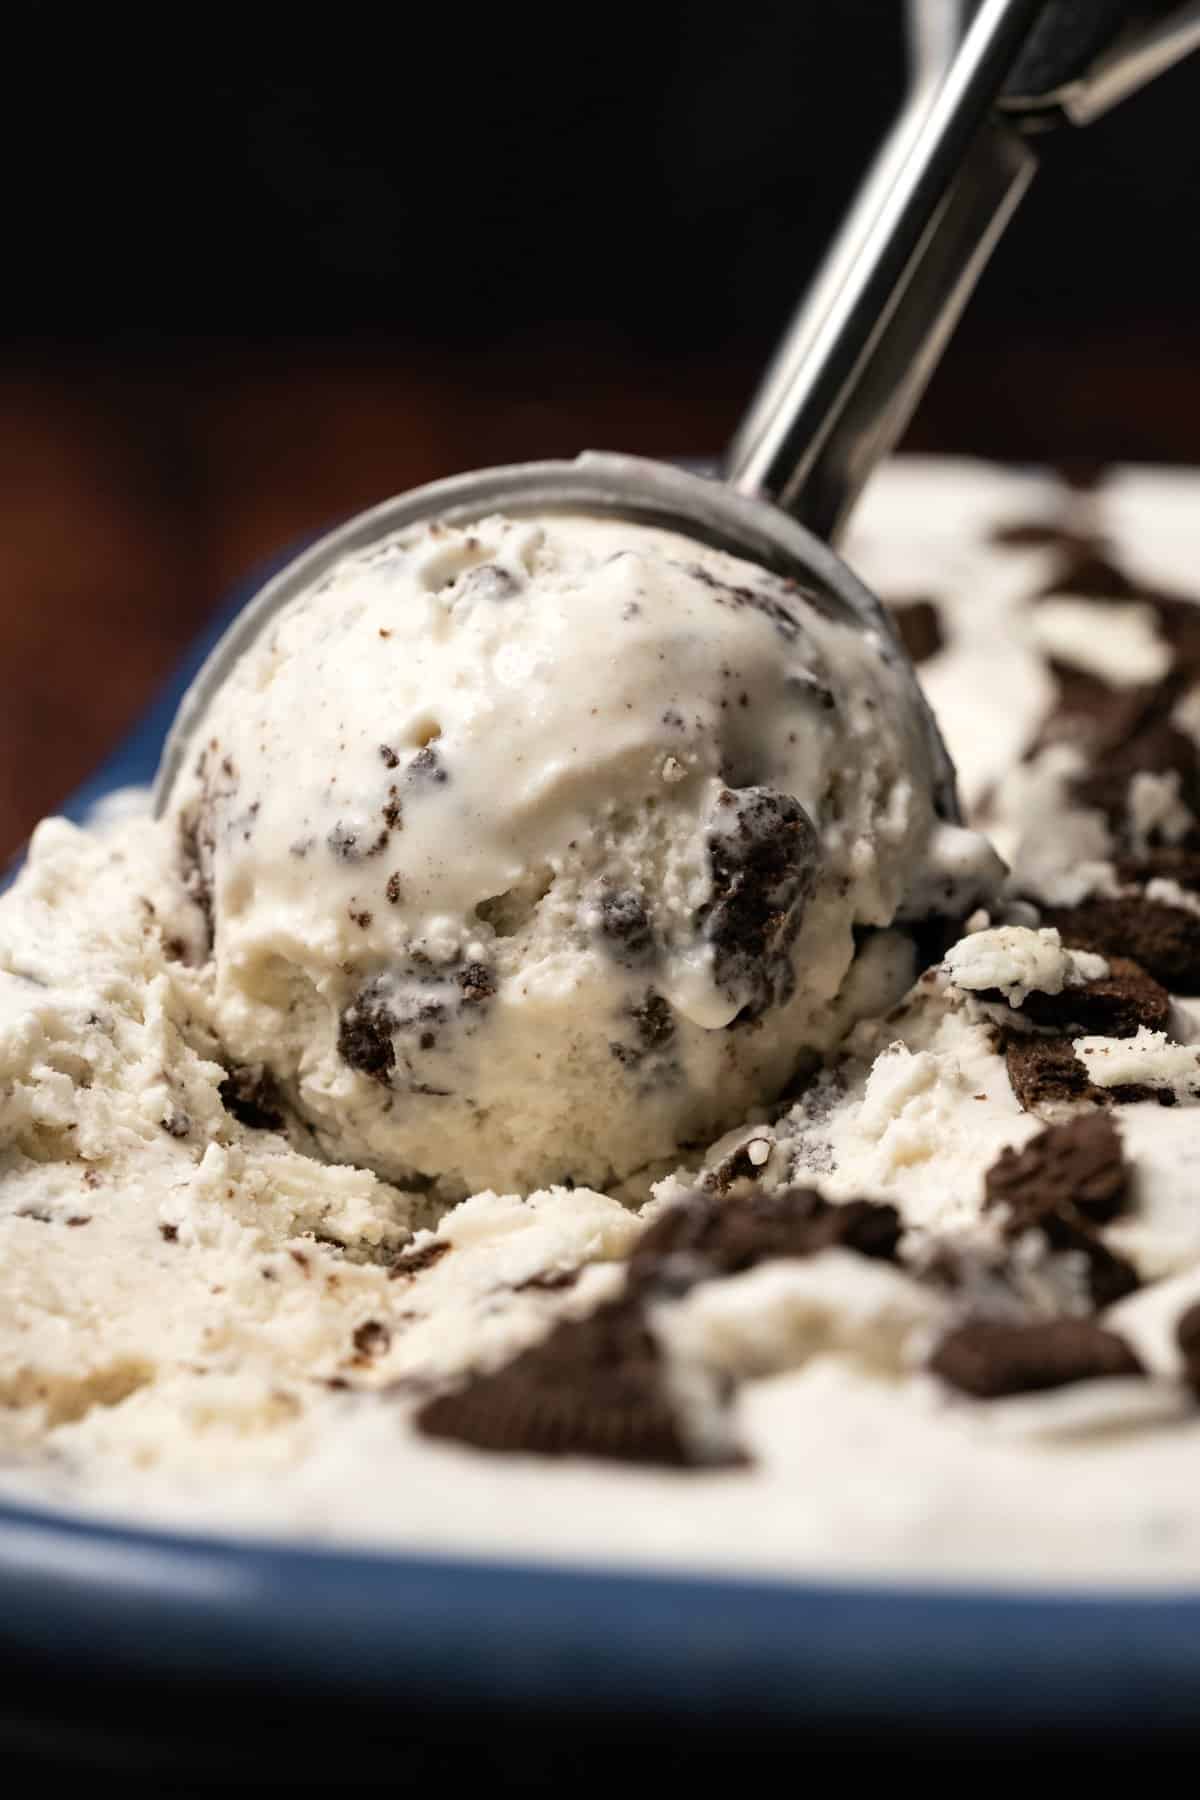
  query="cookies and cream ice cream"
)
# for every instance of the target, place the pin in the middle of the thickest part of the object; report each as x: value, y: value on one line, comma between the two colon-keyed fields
x: 934, y: 1309
x: 538, y: 848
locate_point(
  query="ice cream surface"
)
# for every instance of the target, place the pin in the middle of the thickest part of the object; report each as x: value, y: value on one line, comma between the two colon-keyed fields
x: 933, y: 1311
x: 535, y: 849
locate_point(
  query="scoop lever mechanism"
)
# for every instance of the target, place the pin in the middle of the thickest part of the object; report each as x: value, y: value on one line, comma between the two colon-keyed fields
x: 987, y: 82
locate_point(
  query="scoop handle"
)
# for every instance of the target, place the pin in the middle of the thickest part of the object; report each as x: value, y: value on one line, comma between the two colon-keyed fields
x: 874, y: 324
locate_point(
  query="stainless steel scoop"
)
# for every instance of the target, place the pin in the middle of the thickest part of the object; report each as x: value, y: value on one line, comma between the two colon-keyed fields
x: 985, y: 79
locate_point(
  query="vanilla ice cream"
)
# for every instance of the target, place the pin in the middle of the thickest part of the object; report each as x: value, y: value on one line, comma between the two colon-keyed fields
x: 533, y: 850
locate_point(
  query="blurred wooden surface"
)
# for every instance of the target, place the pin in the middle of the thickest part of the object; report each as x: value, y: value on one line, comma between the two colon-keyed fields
x: 134, y: 493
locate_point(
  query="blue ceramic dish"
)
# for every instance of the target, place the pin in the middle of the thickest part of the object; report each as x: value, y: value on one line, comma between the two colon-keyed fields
x: 381, y: 1627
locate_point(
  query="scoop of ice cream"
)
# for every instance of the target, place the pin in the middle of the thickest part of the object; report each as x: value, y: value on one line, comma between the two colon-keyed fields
x: 536, y: 849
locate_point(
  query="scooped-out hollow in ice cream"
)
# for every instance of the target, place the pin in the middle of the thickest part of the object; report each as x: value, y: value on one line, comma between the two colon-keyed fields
x: 538, y: 849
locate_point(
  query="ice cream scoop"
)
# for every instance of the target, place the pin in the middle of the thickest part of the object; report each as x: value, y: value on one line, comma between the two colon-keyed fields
x: 540, y: 820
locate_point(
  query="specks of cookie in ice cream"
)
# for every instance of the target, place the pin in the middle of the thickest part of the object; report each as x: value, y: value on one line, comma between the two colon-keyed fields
x: 394, y: 890
x: 351, y: 844
x: 251, y: 1095
x: 393, y: 810
x: 593, y: 1387
x: 365, y: 1035
x: 412, y: 1262
x: 653, y: 1030
x: 772, y: 606
x: 372, y: 1339
x: 489, y: 582
x: 763, y: 854
x: 427, y: 766
x: 625, y: 926
x: 390, y: 758
x: 919, y: 624
x: 361, y: 916
x: 990, y: 1359
x: 169, y: 1234
x: 176, y: 1123
x: 476, y: 983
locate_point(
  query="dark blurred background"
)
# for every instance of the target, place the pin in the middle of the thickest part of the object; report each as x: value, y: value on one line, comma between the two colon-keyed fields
x: 266, y: 266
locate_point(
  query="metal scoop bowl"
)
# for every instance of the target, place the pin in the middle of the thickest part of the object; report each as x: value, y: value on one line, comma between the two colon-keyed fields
x: 859, y: 353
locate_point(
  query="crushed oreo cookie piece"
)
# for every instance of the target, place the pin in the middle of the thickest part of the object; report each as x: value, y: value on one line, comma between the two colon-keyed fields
x: 427, y: 765
x: 728, y: 594
x: 176, y: 1123
x: 625, y: 926
x: 991, y: 1359
x: 1162, y: 863
x: 1164, y: 940
x: 654, y: 1030
x: 763, y: 853
x: 251, y: 1095
x: 745, y: 1163
x: 919, y: 624
x: 709, y: 1234
x: 1045, y: 1071
x: 487, y: 581
x: 593, y: 1387
x: 372, y: 1339
x: 1063, y: 1183
x: 365, y: 1035
x: 1116, y: 1005
x: 414, y: 1262
x: 1079, y: 1164
x: 476, y: 983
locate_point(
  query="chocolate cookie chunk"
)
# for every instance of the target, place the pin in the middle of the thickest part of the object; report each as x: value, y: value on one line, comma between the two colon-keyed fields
x: 1079, y: 1164
x: 1162, y: 863
x: 1165, y: 940
x: 990, y: 1359
x: 365, y: 1035
x: 625, y: 926
x: 251, y: 1094
x: 593, y: 1387
x: 763, y: 853
x: 1045, y: 1071
x: 707, y: 1234
x: 1064, y: 1180
x: 1116, y: 1005
x: 919, y: 624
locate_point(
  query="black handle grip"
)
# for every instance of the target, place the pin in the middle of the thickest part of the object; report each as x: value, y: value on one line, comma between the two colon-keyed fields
x: 1066, y: 41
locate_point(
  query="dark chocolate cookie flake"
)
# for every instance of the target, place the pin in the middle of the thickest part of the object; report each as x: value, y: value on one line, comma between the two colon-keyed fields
x: 550, y: 1281
x: 1117, y: 1005
x: 1162, y: 863
x: 394, y: 890
x: 593, y: 1387
x: 919, y: 624
x: 365, y: 1035
x: 1079, y: 1164
x: 393, y: 811
x: 414, y: 1262
x: 390, y: 759
x: 709, y: 1234
x: 427, y: 766
x: 1045, y: 1071
x: 176, y: 1123
x: 1164, y: 940
x: 763, y: 852
x: 625, y: 926
x: 476, y: 983
x: 372, y: 1339
x: 487, y: 581
x: 251, y: 1094
x: 169, y: 1234
x: 1067, y: 1180
x: 990, y: 1359
x: 752, y: 599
